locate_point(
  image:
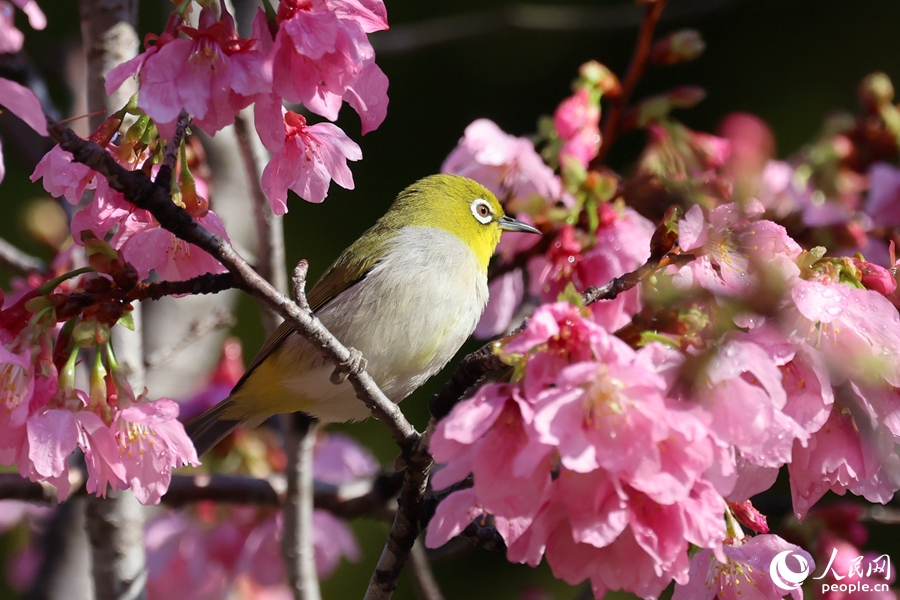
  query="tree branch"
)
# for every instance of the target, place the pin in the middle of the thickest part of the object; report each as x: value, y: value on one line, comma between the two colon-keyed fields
x: 636, y: 68
x: 407, y: 521
x: 143, y: 193
x: 269, y: 228
x: 370, y: 497
x: 297, y: 538
x: 15, y: 260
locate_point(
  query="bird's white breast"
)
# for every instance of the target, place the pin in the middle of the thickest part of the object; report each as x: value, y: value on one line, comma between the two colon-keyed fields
x: 408, y: 317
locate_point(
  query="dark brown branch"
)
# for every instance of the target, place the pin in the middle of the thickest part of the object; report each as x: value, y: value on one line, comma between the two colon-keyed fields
x: 405, y: 528
x: 636, y: 69
x: 210, y: 283
x: 170, y: 154
x: 15, y: 260
x: 367, y: 497
x: 404, y: 38
x: 143, y: 193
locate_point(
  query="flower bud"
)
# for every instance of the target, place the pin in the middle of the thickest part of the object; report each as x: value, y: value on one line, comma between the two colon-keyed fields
x: 876, y: 90
x: 679, y: 46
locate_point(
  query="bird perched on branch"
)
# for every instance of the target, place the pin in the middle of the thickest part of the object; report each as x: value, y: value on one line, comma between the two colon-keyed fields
x: 406, y: 295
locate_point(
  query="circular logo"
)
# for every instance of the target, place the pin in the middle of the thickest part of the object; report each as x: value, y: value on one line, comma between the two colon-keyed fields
x: 784, y: 576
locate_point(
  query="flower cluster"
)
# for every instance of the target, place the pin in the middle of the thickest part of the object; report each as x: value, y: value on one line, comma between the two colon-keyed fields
x: 634, y: 428
x: 127, y: 441
x: 223, y: 550
x: 315, y: 52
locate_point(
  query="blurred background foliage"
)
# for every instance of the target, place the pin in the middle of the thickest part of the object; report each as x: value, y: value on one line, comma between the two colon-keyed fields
x: 790, y: 62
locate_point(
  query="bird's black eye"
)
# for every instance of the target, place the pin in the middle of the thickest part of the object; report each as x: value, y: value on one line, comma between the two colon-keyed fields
x: 482, y: 211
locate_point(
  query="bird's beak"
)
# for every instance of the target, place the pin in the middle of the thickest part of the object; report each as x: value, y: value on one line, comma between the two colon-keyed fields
x: 510, y: 224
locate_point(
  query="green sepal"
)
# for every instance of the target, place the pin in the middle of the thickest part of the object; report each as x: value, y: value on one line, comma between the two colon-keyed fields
x: 271, y: 15
x: 647, y: 337
x: 126, y: 320
x: 571, y: 295
x: 48, y: 287
x: 38, y: 304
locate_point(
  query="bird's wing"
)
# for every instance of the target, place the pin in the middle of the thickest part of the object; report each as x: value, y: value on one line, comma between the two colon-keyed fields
x: 350, y: 268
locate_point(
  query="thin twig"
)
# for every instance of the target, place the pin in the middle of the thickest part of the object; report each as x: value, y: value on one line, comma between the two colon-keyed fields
x: 410, y: 37
x: 210, y: 283
x: 370, y: 497
x: 423, y: 577
x: 636, y: 69
x: 15, y: 260
x: 170, y: 154
x: 298, y: 281
x: 138, y: 189
x: 269, y: 229
x: 297, y: 540
x: 405, y: 528
x: 217, y: 319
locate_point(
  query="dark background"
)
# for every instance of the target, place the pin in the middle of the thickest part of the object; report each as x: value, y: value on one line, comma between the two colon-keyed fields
x: 790, y: 62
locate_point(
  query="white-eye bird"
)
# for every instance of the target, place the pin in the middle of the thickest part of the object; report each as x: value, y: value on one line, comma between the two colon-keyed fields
x: 406, y: 294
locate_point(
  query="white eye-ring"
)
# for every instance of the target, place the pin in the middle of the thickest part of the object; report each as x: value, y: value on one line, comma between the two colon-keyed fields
x: 482, y: 210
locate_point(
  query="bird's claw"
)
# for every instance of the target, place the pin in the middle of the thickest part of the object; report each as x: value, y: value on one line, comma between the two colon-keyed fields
x: 356, y: 364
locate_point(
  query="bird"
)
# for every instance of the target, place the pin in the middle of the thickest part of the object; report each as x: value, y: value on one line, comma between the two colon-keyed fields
x: 406, y: 295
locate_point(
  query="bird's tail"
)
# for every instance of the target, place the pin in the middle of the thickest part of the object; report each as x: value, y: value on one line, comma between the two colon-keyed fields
x: 209, y: 429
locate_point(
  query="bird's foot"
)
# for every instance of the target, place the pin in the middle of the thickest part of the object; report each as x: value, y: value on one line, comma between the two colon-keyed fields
x: 356, y: 364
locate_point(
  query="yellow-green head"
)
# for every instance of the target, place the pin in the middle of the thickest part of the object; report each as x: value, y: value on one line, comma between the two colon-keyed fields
x: 459, y: 206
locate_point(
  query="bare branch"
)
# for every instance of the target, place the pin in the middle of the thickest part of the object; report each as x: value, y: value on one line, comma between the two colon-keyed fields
x: 269, y: 230
x: 652, y: 12
x: 405, y: 528
x: 297, y: 539
x: 423, y: 577
x: 143, y: 193
x: 210, y: 283
x: 15, y: 260
x: 298, y: 279
x: 170, y: 154
x: 217, y: 319
x: 410, y: 37
x: 372, y: 497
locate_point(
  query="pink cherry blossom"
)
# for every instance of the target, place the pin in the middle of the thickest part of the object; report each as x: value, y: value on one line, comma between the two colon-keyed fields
x: 147, y: 246
x: 311, y: 157
x: 341, y: 459
x: 577, y: 121
x: 853, y: 451
x: 22, y: 102
x: 837, y: 320
x: 622, y: 243
x: 181, y: 558
x: 62, y: 176
x: 745, y: 573
x: 883, y: 203
x: 151, y: 443
x: 36, y: 17
x: 217, y: 74
x: 17, y: 376
x: 322, y: 57
x: 10, y: 38
x: 508, y: 166
x: 505, y: 294
x: 731, y: 247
